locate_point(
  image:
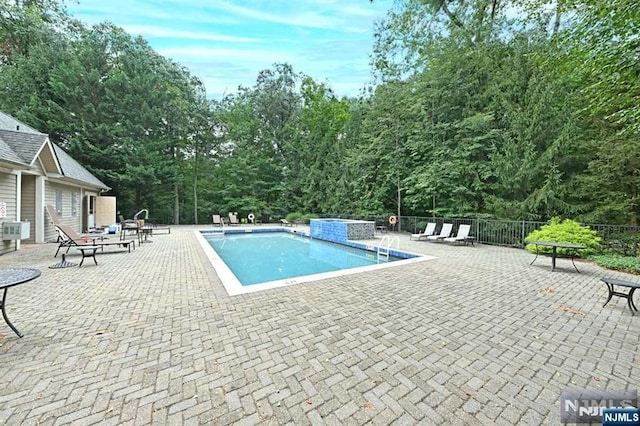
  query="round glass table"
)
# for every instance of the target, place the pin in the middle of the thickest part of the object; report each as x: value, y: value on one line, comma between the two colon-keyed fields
x: 10, y: 277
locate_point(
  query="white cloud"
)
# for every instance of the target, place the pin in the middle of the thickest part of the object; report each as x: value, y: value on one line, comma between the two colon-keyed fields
x: 155, y: 31
x: 227, y: 43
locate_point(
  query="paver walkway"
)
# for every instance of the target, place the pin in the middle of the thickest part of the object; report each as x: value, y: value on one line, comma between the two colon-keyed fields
x: 476, y: 336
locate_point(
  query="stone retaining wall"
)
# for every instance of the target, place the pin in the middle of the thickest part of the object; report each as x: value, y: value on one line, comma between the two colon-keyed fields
x: 339, y: 230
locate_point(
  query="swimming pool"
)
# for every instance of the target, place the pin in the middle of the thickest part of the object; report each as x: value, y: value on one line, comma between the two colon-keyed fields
x: 258, y: 259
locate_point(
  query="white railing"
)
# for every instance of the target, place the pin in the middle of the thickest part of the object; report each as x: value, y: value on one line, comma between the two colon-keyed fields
x: 383, y: 250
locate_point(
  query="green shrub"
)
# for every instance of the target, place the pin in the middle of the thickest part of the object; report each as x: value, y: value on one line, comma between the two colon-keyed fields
x: 291, y: 217
x: 566, y: 231
x: 629, y: 264
x: 307, y: 217
x: 301, y: 218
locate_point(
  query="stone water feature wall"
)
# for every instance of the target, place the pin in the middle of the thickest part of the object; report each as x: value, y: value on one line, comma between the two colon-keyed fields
x: 341, y: 230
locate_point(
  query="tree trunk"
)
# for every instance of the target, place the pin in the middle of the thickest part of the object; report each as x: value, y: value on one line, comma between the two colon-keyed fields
x: 556, y: 23
x: 195, y: 197
x: 176, y: 205
x: 634, y: 195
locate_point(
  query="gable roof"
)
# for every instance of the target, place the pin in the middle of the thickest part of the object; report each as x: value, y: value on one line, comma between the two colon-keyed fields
x: 19, y: 147
x: 7, y: 154
x: 23, y: 145
x: 74, y: 170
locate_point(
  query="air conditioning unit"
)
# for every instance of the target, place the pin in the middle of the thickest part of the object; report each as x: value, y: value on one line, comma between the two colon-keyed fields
x: 16, y: 230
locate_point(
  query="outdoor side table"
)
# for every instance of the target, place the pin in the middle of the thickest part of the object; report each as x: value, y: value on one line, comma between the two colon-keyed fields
x: 88, y: 251
x: 612, y: 282
x: 10, y: 277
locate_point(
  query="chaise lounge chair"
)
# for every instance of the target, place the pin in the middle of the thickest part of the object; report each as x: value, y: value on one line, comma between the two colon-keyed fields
x: 428, y: 231
x: 285, y: 222
x: 68, y: 238
x: 444, y: 232
x: 233, y: 219
x: 217, y: 220
x: 155, y: 227
x: 55, y: 220
x: 461, y: 236
x: 53, y: 214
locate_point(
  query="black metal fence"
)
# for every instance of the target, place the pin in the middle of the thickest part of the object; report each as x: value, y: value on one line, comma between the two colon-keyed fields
x: 616, y: 239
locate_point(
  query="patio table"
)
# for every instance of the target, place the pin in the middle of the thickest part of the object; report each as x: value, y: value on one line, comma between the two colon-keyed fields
x: 554, y: 252
x: 10, y: 277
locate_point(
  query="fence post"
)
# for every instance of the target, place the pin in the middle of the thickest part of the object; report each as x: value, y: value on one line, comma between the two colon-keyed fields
x: 522, y: 236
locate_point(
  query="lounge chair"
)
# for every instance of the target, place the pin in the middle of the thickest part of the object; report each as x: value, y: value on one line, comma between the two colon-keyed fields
x: 461, y: 236
x: 155, y: 227
x: 55, y: 220
x: 233, y: 219
x: 53, y: 214
x: 444, y: 232
x: 285, y: 222
x: 129, y: 225
x: 217, y: 220
x: 428, y: 231
x: 68, y: 238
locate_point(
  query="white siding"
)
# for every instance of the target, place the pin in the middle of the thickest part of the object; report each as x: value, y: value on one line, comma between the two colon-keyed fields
x: 50, y: 198
x: 8, y: 187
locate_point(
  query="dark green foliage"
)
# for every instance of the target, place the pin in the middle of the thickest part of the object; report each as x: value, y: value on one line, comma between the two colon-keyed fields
x: 508, y: 232
x: 622, y: 244
x: 126, y: 113
x: 630, y: 264
x: 306, y: 218
x: 480, y: 111
x: 301, y: 218
x: 565, y: 231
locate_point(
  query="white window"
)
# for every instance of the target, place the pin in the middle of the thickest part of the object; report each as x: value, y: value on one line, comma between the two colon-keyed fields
x: 59, y: 202
x: 74, y: 203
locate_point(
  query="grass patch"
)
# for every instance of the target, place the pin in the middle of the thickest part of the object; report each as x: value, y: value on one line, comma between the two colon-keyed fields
x: 629, y: 264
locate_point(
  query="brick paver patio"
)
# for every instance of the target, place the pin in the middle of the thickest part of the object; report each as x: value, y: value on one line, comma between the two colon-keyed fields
x: 476, y: 336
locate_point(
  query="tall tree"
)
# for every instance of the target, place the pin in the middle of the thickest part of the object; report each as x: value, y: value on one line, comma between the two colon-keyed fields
x: 29, y: 23
x: 315, y: 180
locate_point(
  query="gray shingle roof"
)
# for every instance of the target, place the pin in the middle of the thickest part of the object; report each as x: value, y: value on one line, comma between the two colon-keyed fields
x: 74, y: 170
x: 9, y: 123
x: 25, y: 146
x: 7, y: 153
x: 21, y: 144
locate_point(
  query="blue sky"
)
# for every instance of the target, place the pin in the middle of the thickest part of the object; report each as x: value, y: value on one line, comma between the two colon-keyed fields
x: 226, y: 43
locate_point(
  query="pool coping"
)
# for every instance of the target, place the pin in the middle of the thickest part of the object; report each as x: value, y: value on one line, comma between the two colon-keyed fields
x: 234, y: 288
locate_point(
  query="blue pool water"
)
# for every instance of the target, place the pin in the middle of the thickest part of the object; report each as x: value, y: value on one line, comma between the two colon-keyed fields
x: 262, y: 257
